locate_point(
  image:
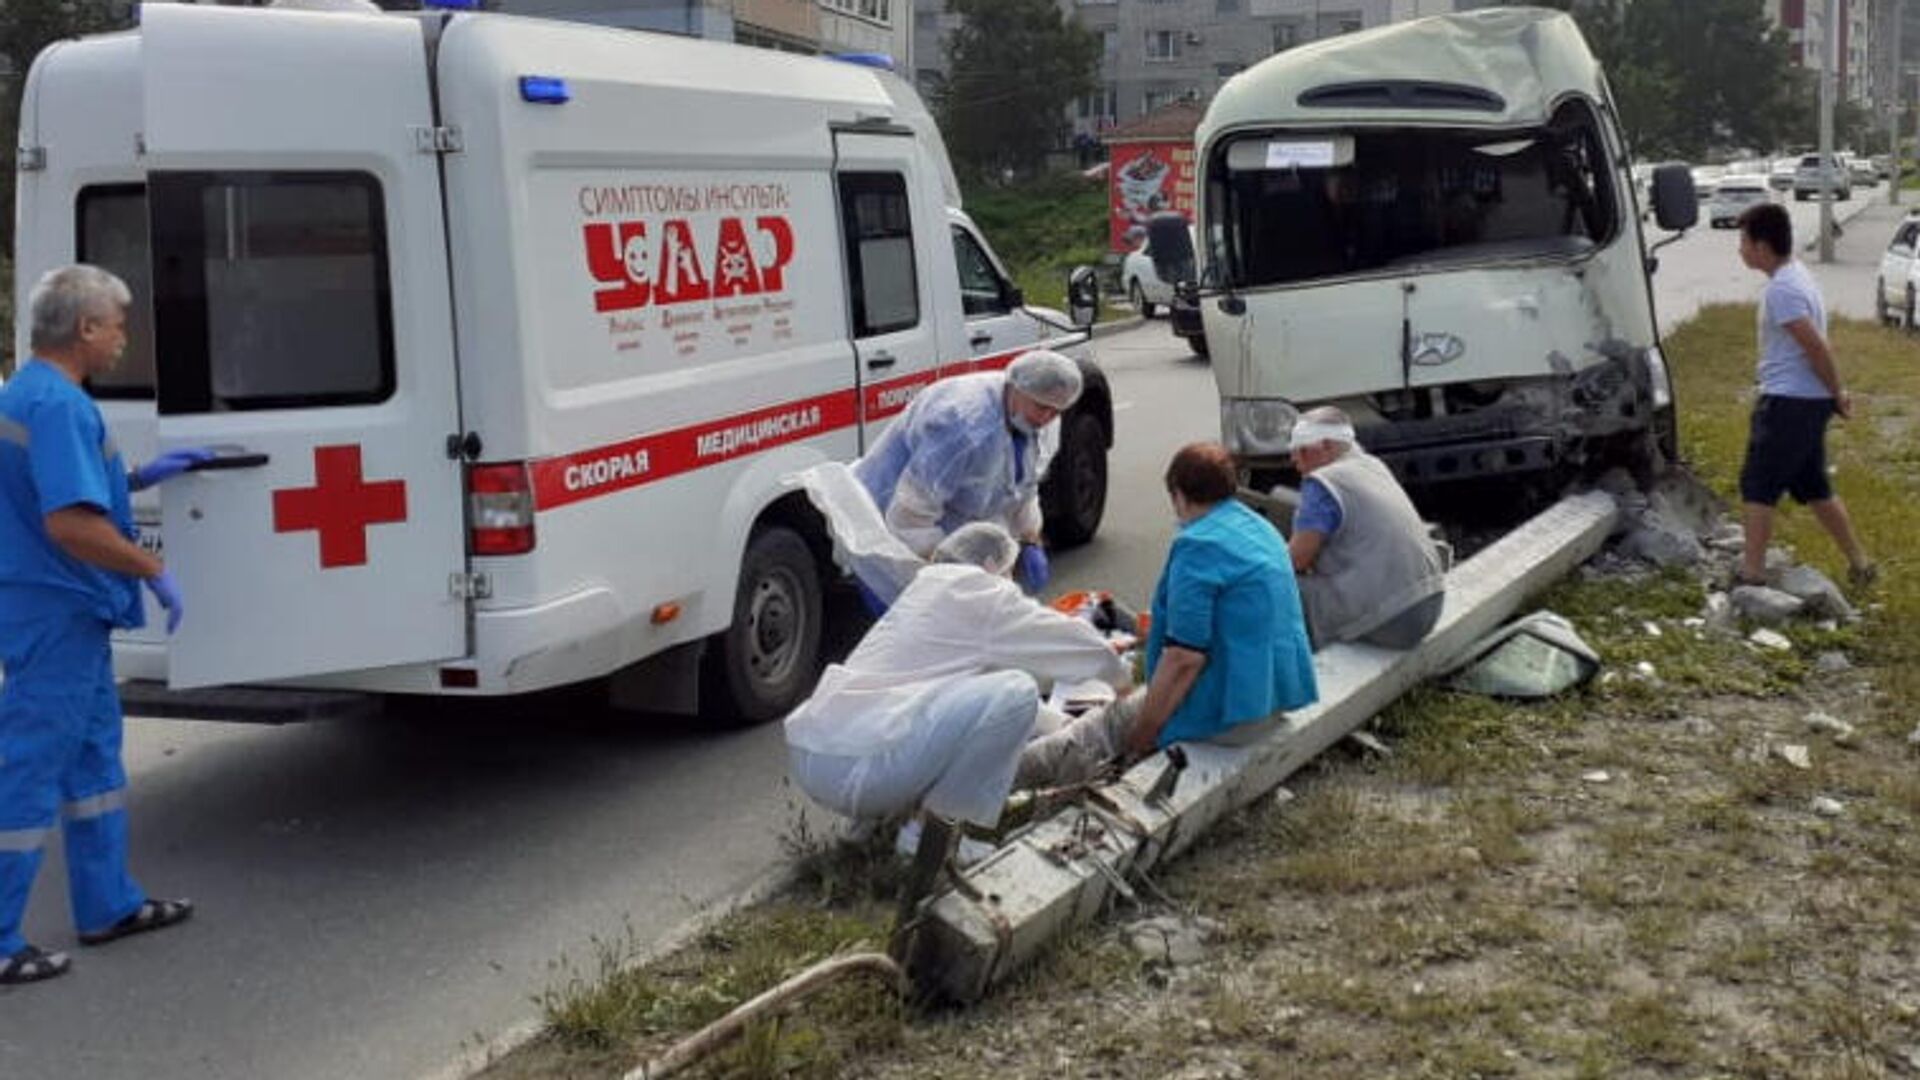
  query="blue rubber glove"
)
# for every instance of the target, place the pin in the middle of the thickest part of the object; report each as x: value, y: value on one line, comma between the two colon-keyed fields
x: 1034, y: 571
x: 167, y: 591
x: 167, y: 466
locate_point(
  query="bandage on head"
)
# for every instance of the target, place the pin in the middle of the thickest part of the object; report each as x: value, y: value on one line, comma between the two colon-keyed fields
x: 1313, y: 432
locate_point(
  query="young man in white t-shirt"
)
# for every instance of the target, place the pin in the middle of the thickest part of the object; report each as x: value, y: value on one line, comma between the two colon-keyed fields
x: 1799, y: 392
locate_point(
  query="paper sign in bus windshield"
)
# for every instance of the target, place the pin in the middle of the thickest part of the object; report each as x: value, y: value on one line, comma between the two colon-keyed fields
x: 1300, y: 155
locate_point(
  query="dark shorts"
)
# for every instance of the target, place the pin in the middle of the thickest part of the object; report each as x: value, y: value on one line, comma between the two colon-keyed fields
x: 1786, y: 451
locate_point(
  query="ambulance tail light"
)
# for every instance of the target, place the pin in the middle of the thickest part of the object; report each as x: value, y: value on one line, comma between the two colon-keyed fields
x: 499, y: 509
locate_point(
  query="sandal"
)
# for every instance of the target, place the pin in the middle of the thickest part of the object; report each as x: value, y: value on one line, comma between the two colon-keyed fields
x: 1863, y: 574
x: 32, y: 965
x: 150, y: 915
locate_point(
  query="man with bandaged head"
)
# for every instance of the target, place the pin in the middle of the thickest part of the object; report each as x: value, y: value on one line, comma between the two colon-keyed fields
x: 1367, y: 569
x: 969, y: 449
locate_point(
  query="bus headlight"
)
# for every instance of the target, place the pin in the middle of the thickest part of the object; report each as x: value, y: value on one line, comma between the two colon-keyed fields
x: 1659, y: 378
x: 1257, y: 427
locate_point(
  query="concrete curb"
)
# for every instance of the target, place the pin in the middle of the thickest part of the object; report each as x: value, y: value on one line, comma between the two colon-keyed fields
x: 1853, y: 210
x: 1115, y: 326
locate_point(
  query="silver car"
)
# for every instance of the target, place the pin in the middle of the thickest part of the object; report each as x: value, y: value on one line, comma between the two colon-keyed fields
x: 1810, y: 178
x: 1733, y: 195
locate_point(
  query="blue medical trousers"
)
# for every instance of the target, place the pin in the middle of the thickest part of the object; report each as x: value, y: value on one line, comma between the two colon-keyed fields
x: 60, y: 758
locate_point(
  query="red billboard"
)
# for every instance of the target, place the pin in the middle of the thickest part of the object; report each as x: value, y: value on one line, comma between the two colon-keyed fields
x: 1144, y: 178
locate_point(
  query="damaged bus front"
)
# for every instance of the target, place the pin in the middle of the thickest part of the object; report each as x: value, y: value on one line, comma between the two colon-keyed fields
x: 1432, y: 225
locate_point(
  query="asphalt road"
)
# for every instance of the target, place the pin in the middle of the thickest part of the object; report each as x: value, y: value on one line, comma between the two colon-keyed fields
x: 376, y: 898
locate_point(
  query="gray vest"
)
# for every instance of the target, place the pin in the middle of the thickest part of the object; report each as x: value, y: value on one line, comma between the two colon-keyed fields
x: 1378, y: 563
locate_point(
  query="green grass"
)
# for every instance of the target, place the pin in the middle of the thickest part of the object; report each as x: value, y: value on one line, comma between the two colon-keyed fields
x: 1043, y: 229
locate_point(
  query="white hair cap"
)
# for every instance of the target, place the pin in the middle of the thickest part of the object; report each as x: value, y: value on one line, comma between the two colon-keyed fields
x: 1047, y: 377
x: 981, y: 543
x: 1313, y: 432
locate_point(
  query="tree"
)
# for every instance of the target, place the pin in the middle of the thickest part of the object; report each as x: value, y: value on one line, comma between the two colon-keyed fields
x: 1013, y: 67
x: 1690, y: 76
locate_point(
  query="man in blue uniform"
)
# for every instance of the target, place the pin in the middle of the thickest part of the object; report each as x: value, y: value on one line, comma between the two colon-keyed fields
x: 70, y: 572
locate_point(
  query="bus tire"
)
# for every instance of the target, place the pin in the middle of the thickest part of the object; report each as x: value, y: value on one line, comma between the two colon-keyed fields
x: 767, y: 660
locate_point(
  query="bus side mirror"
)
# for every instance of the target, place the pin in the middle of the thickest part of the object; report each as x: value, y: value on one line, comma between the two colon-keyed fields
x: 1083, y: 297
x: 1675, y: 205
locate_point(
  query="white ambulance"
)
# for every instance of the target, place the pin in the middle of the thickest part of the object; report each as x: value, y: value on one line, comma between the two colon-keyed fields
x: 507, y: 332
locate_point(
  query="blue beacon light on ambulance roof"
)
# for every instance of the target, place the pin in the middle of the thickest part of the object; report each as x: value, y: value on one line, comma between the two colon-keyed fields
x: 451, y: 5
x: 867, y: 59
x: 544, y: 90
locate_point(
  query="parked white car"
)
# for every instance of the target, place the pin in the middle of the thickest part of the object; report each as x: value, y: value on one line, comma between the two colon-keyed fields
x: 1733, y: 195
x: 1780, y: 177
x: 1706, y: 178
x: 1893, y: 293
x: 1144, y: 288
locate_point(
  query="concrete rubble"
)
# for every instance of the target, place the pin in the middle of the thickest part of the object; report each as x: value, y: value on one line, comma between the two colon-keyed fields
x: 1822, y: 599
x: 1832, y: 662
x: 1841, y: 731
x: 1765, y: 605
x: 1173, y: 940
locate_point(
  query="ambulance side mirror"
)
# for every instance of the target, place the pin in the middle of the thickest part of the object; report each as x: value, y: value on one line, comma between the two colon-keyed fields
x: 1083, y: 297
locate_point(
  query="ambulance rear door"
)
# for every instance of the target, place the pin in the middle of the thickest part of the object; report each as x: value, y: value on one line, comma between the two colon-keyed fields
x: 303, y: 329
x: 890, y: 221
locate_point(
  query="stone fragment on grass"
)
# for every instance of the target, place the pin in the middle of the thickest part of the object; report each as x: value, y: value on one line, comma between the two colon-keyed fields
x: 1827, y: 807
x: 1371, y: 743
x: 1172, y: 940
x: 1727, y: 536
x: 1832, y: 725
x: 1698, y: 726
x: 1597, y: 776
x: 1663, y: 542
x: 1823, y: 599
x: 1719, y: 615
x: 1765, y: 605
x: 1771, y: 639
x: 1913, y: 737
x: 1832, y: 662
x: 1653, y: 629
x: 1793, y: 754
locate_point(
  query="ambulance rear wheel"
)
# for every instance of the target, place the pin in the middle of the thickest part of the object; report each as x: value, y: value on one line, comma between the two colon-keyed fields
x: 1074, y: 494
x: 766, y: 662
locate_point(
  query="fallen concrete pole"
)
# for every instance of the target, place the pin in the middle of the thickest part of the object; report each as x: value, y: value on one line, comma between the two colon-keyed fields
x: 1061, y: 872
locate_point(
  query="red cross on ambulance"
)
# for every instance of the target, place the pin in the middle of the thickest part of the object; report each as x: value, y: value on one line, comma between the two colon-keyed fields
x: 340, y: 506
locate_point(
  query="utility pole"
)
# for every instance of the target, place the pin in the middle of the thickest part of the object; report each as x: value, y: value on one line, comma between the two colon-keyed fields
x: 1893, y: 109
x: 1829, y: 72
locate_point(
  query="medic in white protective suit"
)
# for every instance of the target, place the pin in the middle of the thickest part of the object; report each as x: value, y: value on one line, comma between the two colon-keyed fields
x: 969, y: 449
x: 933, y: 707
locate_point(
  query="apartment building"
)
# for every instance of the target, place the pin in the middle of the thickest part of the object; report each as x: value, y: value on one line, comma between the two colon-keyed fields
x: 1157, y: 51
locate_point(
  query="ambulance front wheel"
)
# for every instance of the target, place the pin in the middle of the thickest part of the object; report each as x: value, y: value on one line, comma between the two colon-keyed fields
x: 1074, y: 495
x: 764, y: 663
